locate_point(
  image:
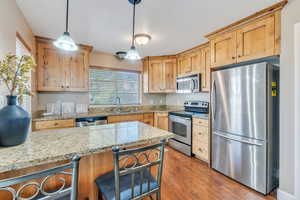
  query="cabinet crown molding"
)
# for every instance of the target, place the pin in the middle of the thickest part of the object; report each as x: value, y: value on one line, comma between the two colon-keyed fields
x: 267, y: 11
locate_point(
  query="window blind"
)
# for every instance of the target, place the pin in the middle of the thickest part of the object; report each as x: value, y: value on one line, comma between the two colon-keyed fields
x: 107, y: 85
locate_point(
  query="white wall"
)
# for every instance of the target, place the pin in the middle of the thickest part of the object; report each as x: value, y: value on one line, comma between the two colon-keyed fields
x: 290, y: 16
x: 297, y: 111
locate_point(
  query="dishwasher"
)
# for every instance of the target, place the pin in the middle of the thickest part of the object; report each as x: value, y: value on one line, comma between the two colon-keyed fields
x: 90, y: 121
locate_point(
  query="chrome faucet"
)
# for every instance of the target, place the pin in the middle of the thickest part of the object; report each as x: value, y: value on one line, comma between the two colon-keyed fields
x: 118, y: 100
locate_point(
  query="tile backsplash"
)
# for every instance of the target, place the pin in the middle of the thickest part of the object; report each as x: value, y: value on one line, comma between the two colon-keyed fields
x: 179, y: 99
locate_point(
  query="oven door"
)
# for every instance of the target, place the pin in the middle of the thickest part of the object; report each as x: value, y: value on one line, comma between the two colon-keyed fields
x: 182, y: 128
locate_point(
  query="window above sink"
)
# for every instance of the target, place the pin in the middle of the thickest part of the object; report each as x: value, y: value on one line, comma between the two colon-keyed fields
x: 107, y: 87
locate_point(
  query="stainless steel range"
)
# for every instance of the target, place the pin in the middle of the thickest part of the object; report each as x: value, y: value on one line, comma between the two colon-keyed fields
x: 180, y: 123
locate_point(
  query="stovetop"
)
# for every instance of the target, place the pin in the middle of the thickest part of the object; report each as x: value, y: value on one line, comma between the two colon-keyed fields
x: 189, y: 114
x: 193, y: 109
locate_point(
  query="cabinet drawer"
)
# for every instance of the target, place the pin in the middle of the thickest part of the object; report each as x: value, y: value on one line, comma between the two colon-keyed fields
x: 53, y: 124
x: 125, y: 118
x: 148, y: 116
x: 200, y: 134
x: 200, y: 122
x: 201, y: 151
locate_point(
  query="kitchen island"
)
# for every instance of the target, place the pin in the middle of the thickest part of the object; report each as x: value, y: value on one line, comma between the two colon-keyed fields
x: 44, y: 149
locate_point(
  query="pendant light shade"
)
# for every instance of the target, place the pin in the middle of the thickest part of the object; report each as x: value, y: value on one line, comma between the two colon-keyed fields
x: 132, y: 53
x: 65, y: 42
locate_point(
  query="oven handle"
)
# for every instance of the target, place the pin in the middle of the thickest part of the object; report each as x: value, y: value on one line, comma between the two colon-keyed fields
x: 179, y: 119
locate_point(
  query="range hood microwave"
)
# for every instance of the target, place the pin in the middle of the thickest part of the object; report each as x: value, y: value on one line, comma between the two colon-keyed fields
x: 189, y: 84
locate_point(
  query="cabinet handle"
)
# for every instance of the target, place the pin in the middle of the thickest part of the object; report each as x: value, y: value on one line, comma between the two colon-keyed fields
x: 200, y: 149
x: 62, y: 86
x: 233, y: 57
x: 55, y: 124
x: 239, y: 56
x: 200, y: 133
x: 68, y: 86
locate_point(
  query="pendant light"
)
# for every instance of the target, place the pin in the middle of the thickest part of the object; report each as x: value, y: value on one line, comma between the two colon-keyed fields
x: 65, y: 41
x: 132, y: 53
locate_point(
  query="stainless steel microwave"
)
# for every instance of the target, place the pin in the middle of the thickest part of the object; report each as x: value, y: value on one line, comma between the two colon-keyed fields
x: 189, y: 84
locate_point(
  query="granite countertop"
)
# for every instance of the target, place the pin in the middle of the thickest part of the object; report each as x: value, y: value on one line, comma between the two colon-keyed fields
x: 202, y: 116
x: 49, y: 146
x: 99, y: 114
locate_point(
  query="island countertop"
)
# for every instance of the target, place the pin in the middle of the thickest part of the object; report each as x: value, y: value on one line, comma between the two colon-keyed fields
x: 42, y: 147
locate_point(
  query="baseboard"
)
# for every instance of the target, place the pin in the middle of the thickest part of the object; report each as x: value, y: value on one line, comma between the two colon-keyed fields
x: 282, y: 195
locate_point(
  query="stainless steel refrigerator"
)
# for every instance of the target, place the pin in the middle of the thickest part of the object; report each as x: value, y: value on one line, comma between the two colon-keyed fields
x: 245, y: 124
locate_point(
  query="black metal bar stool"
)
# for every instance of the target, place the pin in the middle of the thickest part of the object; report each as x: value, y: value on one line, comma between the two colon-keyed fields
x: 63, y: 193
x: 132, y: 175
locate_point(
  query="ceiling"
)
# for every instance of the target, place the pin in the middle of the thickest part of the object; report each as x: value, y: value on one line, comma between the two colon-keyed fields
x: 175, y: 25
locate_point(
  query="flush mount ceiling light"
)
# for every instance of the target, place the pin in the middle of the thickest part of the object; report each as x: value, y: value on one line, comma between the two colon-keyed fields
x: 132, y: 53
x: 65, y: 41
x: 142, y: 39
x: 121, y: 55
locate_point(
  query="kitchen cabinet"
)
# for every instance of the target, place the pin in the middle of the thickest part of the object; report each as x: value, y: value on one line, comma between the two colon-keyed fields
x: 254, y: 38
x: 53, y: 124
x: 149, y: 119
x: 125, y: 118
x: 161, y: 120
x: 223, y: 49
x: 59, y: 70
x: 198, y: 61
x: 159, y: 74
x: 205, y: 72
x: 200, y: 142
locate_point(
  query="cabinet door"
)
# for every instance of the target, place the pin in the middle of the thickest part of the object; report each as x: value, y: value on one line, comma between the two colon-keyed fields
x: 156, y: 82
x: 51, y: 72
x: 223, y: 49
x: 205, y: 74
x: 161, y: 120
x: 146, y: 75
x: 256, y: 40
x: 77, y: 72
x: 169, y: 75
x: 187, y: 65
x: 196, y: 62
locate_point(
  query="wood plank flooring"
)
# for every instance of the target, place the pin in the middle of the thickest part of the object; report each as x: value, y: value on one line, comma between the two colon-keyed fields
x: 187, y: 178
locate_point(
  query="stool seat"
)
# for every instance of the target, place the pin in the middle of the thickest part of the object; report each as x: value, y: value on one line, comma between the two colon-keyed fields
x: 106, y: 184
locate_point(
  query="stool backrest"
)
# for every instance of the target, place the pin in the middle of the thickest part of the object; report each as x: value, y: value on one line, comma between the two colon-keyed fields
x: 131, y: 162
x: 39, y: 179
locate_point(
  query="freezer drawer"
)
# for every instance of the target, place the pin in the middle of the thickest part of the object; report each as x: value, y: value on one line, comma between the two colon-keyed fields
x: 241, y: 158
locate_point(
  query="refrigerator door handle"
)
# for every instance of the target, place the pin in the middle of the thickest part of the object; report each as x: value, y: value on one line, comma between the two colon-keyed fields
x: 239, y: 140
x: 214, y: 100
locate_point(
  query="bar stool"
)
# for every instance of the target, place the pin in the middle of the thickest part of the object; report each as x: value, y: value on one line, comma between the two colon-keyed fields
x: 132, y: 175
x: 63, y: 193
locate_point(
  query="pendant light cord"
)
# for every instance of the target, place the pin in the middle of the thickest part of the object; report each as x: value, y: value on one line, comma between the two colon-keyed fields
x: 133, y: 28
x: 67, y: 17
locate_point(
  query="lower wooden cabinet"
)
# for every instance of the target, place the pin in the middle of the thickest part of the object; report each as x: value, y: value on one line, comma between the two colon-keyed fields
x: 125, y: 118
x: 53, y: 124
x: 200, y: 143
x: 161, y: 120
x: 147, y: 118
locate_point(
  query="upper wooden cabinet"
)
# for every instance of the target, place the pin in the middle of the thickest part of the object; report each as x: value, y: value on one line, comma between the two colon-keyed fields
x: 223, y: 49
x: 256, y: 40
x: 253, y: 37
x: 196, y: 60
x: 59, y: 70
x: 159, y: 74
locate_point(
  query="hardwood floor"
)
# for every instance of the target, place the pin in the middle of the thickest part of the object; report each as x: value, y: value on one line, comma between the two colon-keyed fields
x: 187, y: 178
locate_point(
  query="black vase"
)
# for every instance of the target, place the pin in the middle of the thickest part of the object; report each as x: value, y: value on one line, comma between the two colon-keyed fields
x: 14, y: 123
